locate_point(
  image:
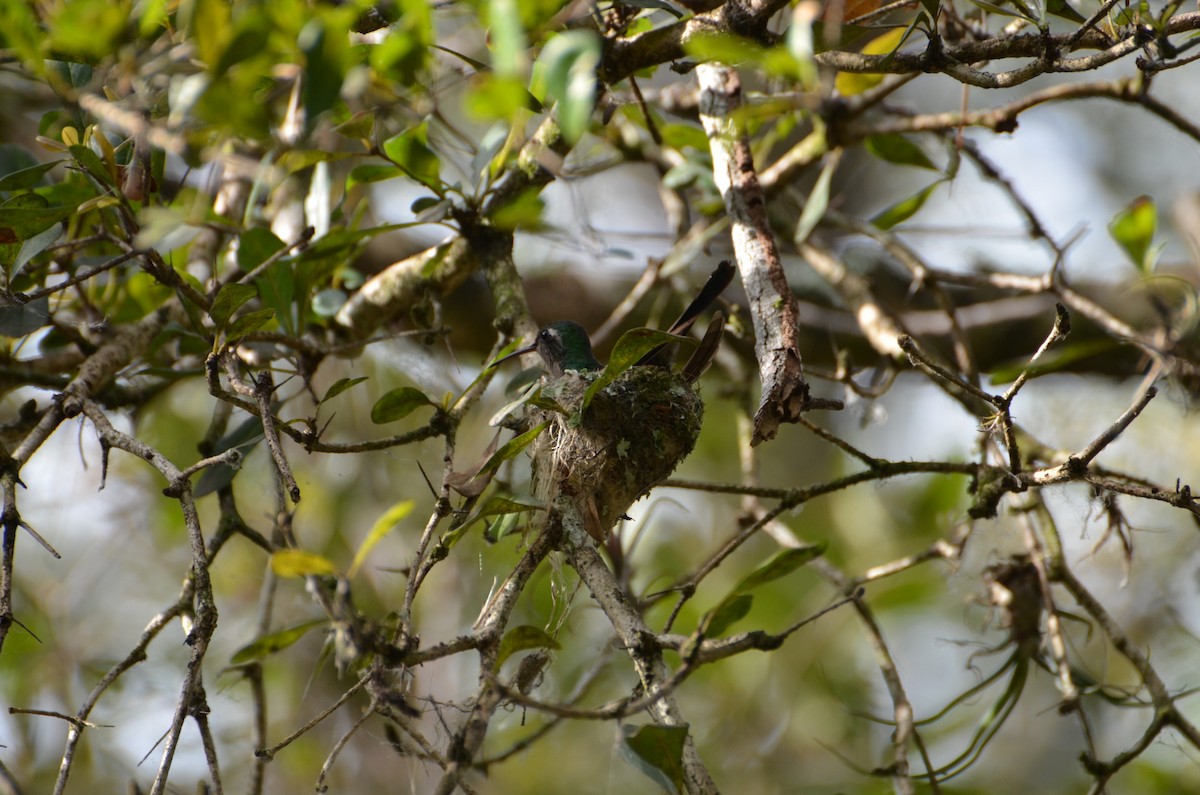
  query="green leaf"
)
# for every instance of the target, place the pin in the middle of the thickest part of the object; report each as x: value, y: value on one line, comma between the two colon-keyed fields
x: 630, y: 348
x: 504, y: 526
x: 324, y: 44
x: 17, y: 320
x: 35, y: 245
x: 995, y: 8
x: 371, y: 172
x: 383, y: 525
x: 73, y: 73
x: 781, y: 565
x: 91, y: 163
x: 244, y: 437
x: 511, y: 448
x: 250, y: 39
x: 904, y: 209
x: 299, y: 563
x: 1063, y: 10
x: 656, y: 751
x: 276, y: 641
x: 887, y: 43
x: 247, y: 323
x: 521, y: 638
x: 736, y: 605
x: 726, y: 614
x: 504, y: 506
x: 569, y: 61
x: 15, y: 158
x: 679, y: 136
x: 410, y: 151
x: 1133, y: 228
x: 725, y: 48
x: 229, y: 298
x: 397, y: 404
x: 402, y: 55
x: 18, y: 223
x: 497, y: 505
x: 506, y: 37
x: 255, y: 245
x: 1059, y: 358
x: 424, y: 203
x: 817, y: 204
x: 496, y: 97
x: 900, y: 150
x: 277, y: 289
x: 86, y: 30
x: 26, y: 178
x: 524, y: 211
x: 211, y: 30
x: 341, y: 385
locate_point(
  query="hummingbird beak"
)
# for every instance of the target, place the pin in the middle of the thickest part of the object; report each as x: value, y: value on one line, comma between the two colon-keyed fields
x: 513, y: 355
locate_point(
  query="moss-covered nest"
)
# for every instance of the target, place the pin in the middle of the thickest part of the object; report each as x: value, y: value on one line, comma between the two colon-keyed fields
x: 634, y: 432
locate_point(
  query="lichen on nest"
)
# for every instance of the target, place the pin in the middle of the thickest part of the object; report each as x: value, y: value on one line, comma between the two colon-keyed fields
x: 632, y: 435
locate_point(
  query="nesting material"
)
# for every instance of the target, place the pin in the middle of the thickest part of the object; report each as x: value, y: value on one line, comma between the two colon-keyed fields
x: 633, y: 434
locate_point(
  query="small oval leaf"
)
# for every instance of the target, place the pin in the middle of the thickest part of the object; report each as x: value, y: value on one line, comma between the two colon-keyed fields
x: 895, y: 148
x: 904, y: 209
x: 726, y: 614
x: 341, y: 385
x: 657, y: 752
x: 397, y: 404
x: 251, y: 321
x: 229, y: 298
x: 521, y: 638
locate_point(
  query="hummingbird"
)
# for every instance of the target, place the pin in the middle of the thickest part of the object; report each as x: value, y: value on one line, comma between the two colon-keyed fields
x: 636, y: 430
x: 564, y: 344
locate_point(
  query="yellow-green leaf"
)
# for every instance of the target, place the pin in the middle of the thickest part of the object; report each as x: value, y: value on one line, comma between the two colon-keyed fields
x: 299, y: 563
x: 276, y: 641
x: 1133, y: 228
x: 383, y: 525
x: 851, y: 83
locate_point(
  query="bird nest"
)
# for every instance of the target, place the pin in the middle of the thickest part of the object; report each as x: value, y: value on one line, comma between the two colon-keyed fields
x: 632, y: 435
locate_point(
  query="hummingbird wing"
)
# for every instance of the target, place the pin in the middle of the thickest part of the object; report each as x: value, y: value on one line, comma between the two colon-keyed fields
x: 716, y: 284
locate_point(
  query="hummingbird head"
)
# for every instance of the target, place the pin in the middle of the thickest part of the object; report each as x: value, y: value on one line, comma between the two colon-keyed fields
x: 563, y: 345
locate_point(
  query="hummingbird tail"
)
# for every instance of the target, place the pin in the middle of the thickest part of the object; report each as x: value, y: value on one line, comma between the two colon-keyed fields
x: 702, y: 357
x: 716, y: 284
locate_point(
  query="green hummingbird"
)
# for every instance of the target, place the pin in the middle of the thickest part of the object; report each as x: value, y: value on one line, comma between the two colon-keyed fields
x: 564, y: 344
